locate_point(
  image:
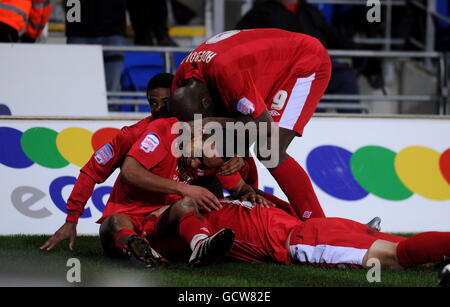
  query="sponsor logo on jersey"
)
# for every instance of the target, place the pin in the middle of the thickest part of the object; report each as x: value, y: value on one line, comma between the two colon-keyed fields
x: 150, y: 142
x: 306, y: 214
x: 245, y: 106
x: 274, y: 113
x: 104, y: 154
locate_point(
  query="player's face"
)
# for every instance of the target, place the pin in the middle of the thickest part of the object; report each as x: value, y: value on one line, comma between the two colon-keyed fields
x: 209, y: 158
x: 212, y: 162
x: 158, y: 98
x: 193, y: 162
x: 204, y: 162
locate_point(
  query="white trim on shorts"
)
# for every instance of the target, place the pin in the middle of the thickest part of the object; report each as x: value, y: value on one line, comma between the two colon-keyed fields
x: 327, y: 254
x: 296, y: 102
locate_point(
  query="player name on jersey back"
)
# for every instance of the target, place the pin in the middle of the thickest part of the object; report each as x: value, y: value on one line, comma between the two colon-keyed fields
x: 204, y: 56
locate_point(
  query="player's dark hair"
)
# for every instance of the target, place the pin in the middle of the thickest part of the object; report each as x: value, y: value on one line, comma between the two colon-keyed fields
x: 211, y: 183
x: 161, y: 80
x: 186, y: 101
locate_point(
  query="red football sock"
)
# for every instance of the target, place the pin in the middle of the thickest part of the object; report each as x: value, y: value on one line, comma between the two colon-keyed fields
x: 424, y: 248
x: 193, y: 229
x: 297, y: 186
x: 121, y: 238
x: 285, y: 206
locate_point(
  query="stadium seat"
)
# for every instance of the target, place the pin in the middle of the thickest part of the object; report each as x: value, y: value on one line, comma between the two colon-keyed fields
x: 138, y: 68
x: 327, y: 11
x: 442, y: 7
x: 178, y: 57
x: 4, y: 110
x: 443, y: 29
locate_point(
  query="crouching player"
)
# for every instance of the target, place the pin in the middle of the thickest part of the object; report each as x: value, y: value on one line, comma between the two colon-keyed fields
x: 110, y: 157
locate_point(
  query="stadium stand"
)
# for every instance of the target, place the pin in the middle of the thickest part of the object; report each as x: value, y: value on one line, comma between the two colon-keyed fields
x: 405, y: 74
x: 138, y: 68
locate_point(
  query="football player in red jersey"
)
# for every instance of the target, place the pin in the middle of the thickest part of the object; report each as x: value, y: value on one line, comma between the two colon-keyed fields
x: 107, y: 159
x: 260, y: 76
x: 269, y: 234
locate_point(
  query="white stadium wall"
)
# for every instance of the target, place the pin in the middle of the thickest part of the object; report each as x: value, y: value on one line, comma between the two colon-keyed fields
x: 52, y: 80
x: 397, y: 169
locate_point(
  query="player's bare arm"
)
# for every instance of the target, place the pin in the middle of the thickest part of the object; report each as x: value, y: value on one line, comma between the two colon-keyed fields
x: 133, y: 173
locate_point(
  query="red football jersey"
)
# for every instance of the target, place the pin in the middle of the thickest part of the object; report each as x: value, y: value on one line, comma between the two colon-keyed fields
x: 261, y: 233
x: 248, y: 69
x: 101, y: 165
x: 108, y: 158
x: 154, y: 151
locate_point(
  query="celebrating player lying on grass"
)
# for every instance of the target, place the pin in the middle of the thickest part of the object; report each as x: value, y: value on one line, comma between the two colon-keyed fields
x: 107, y: 159
x: 269, y: 234
x: 262, y: 233
x: 260, y: 76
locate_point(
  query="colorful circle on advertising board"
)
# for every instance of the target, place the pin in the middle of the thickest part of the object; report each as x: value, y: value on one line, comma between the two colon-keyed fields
x: 103, y: 136
x: 11, y: 152
x: 39, y: 144
x: 329, y: 167
x: 444, y: 165
x: 419, y: 169
x: 373, y: 168
x: 75, y: 146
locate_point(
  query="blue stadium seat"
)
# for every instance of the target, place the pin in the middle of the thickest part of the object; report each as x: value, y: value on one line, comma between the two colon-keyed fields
x: 442, y: 7
x: 138, y: 68
x: 178, y: 57
x: 327, y: 10
x: 4, y: 110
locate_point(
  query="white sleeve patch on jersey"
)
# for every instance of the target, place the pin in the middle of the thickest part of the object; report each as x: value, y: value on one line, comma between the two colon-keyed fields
x: 150, y: 142
x: 245, y: 106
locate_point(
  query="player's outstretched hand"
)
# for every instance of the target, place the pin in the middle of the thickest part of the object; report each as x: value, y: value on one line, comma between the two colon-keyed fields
x: 231, y: 166
x: 203, y: 197
x: 66, y: 231
x: 248, y: 194
x: 255, y: 199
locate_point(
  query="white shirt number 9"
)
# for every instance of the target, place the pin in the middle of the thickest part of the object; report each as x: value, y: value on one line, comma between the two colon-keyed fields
x: 279, y: 100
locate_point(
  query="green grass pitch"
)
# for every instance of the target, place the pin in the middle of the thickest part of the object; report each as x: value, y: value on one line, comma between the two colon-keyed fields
x: 23, y: 264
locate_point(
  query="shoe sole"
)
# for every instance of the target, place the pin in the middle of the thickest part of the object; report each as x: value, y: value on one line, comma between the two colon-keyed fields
x: 138, y: 250
x: 221, y: 245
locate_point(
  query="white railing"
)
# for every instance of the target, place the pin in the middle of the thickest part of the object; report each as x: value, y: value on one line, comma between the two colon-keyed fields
x: 334, y: 101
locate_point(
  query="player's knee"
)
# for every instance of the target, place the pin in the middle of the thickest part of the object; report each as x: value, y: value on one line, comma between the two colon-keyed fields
x: 116, y: 222
x: 184, y: 206
x: 188, y: 205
